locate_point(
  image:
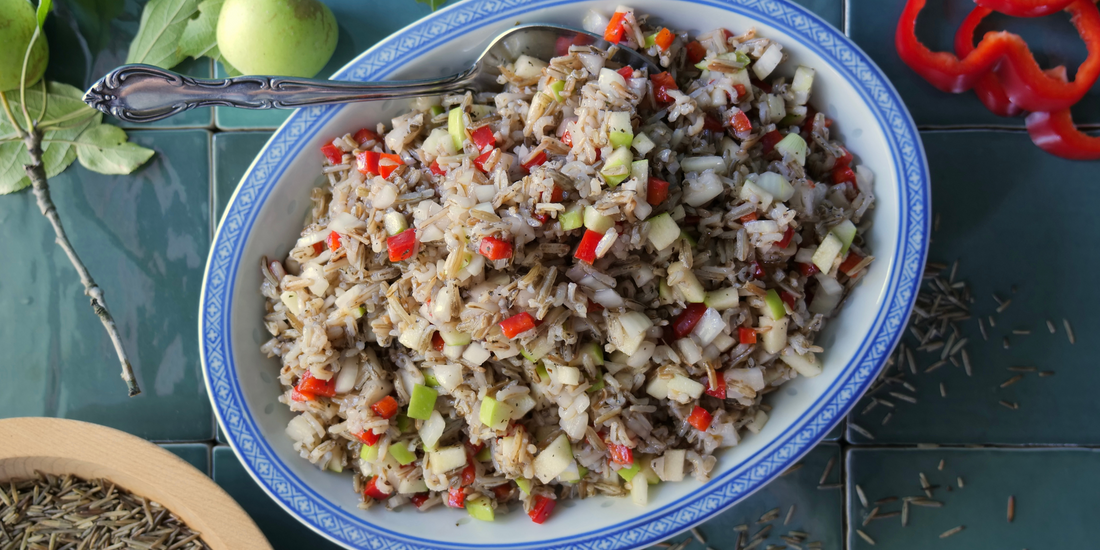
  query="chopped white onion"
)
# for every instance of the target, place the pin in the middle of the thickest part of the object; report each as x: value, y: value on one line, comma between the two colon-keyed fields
x: 709, y: 326
x: 345, y: 379
x: 432, y: 429
x: 608, y: 298
x: 639, y: 358
x: 700, y: 164
x: 700, y: 190
x: 592, y: 62
x: 595, y: 22
x: 768, y: 61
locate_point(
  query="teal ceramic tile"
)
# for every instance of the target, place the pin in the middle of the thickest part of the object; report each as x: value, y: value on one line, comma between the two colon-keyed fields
x: 872, y: 24
x: 144, y: 238
x: 196, y: 454
x: 836, y: 433
x: 95, y: 37
x: 233, y: 154
x: 988, y: 211
x: 1055, y: 492
x: 832, y: 11
x: 817, y: 512
x: 284, y: 532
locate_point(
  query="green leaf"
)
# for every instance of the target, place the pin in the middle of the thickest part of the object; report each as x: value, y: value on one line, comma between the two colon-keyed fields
x: 66, y: 115
x: 163, y: 23
x: 200, y: 36
x: 93, y: 19
x: 434, y: 4
x: 104, y: 149
x: 43, y: 10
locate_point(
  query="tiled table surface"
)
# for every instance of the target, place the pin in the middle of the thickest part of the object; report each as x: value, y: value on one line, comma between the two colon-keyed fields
x: 1018, y: 220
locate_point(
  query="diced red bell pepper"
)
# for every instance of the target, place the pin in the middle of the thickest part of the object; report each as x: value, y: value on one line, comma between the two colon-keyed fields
x: 419, y: 499
x: 769, y: 140
x: 374, y: 491
x: 614, y: 32
x: 712, y: 124
x: 746, y: 335
x: 567, y: 139
x: 402, y: 246
x: 455, y: 497
x: 483, y: 138
x: 741, y: 123
x: 300, y: 397
x: 437, y: 341
x: 368, y: 437
x: 469, y: 473
x: 307, y: 384
x: 662, y: 83
x: 700, y: 418
x: 787, y: 298
x: 502, y: 492
x: 621, y: 454
x: 561, y: 46
x: 761, y: 84
x: 481, y: 159
x: 542, y: 218
x: 626, y: 72
x: 695, y: 52
x: 436, y: 169
x: 656, y: 191
x: 719, y: 388
x: 332, y: 153
x: 758, y: 271
x: 536, y: 160
x: 850, y: 262
x: 557, y: 194
x: 495, y: 249
x: 387, y: 163
x: 750, y: 217
x: 1025, y: 8
x: 333, y: 240
x: 593, y: 306
x: 691, y: 220
x: 474, y: 448
x: 808, y: 270
x: 517, y: 324
x: 845, y: 159
x: 842, y: 174
x: 787, y: 236
x: 368, y: 162
x: 542, y: 508
x: 664, y: 39
x: 586, y: 250
x: 1056, y: 134
x: 687, y: 319
x: 366, y: 134
x: 385, y: 407
x: 318, y: 247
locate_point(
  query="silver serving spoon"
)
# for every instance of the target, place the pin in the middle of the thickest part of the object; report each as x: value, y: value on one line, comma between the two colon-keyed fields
x: 143, y: 93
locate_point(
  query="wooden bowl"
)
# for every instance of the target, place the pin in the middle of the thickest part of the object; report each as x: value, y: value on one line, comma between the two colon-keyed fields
x: 57, y: 446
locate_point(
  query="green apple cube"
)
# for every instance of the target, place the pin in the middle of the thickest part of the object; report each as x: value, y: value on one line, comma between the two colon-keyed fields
x: 455, y: 338
x: 554, y: 459
x: 803, y: 79
x: 429, y: 378
x: 369, y: 453
x: 722, y: 299
x: 846, y: 232
x: 422, y: 402
x: 456, y: 126
x: 556, y: 88
x: 828, y: 251
x: 663, y: 231
x: 619, y: 131
x: 611, y: 172
x: 792, y: 145
x: 495, y: 414
x: 572, y: 218
x: 484, y: 455
x: 480, y: 508
x: 524, y: 485
x: 402, y: 454
x: 775, y: 184
x: 642, y: 144
x: 597, y: 222
x: 629, y: 473
x: 775, y: 304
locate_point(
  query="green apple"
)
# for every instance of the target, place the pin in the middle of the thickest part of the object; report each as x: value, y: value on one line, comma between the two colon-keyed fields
x: 277, y: 37
x: 17, y: 24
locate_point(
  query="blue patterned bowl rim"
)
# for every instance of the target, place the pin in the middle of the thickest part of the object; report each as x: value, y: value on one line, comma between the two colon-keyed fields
x: 656, y: 524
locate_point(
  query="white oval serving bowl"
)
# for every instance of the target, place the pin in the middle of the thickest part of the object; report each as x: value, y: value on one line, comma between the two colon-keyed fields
x: 266, y: 213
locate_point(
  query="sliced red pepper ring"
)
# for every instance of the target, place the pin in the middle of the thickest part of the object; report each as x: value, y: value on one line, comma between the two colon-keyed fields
x: 989, y: 89
x: 1056, y: 134
x: 1025, y: 8
x: 1025, y: 83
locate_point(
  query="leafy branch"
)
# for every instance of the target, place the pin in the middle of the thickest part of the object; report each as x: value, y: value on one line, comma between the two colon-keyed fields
x: 63, y: 130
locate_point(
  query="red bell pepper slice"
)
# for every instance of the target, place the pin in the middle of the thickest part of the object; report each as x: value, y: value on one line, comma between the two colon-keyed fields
x: 502, y: 492
x: 318, y: 247
x: 300, y: 397
x: 402, y: 246
x: 368, y: 437
x: 662, y: 83
x: 719, y: 389
x: 483, y: 138
x: 372, y: 490
x: 385, y: 407
x: 850, y: 263
x: 542, y: 508
x: 333, y: 240
x: 557, y: 194
x: 315, y: 386
x: 700, y: 418
x: 664, y: 39
x: 614, y: 31
x: 368, y: 162
x: 1056, y: 134
x: 517, y: 324
x: 741, y: 90
x: 332, y: 153
x: 787, y: 298
x: 481, y: 159
x: 687, y: 319
x: 536, y: 160
x: 842, y: 174
x: 455, y: 497
x: 469, y: 473
x: 364, y: 135
x: 741, y: 123
x: 807, y: 270
x: 419, y: 499
x: 567, y: 139
x: 1025, y: 8
x: 787, y: 236
x: 621, y: 454
x: 656, y: 191
x: 769, y: 140
x: 436, y: 169
x: 626, y: 72
x: 695, y: 52
x: 387, y: 163
x: 495, y: 249
x: 988, y: 89
x: 750, y: 217
x: 746, y: 335
x: 586, y: 250
x: 437, y: 341
x: 758, y: 270
x: 1025, y: 83
x: 712, y: 124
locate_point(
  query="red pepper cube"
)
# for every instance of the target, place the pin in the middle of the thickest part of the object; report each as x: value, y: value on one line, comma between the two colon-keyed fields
x: 318, y: 247
x: 664, y: 39
x: 746, y: 335
x: 787, y: 298
x: 333, y: 240
x: 712, y: 124
x: 483, y: 138
x: 567, y: 139
x: 542, y: 218
x: 849, y: 263
x: 435, y: 168
x: 741, y: 92
x: 769, y: 141
x: 761, y: 84
x: 740, y: 122
x: 315, y: 386
x: 455, y: 497
x: 687, y: 319
x: 614, y: 32
x: 750, y: 217
x: 502, y: 492
x: 557, y: 194
x: 586, y: 250
x: 656, y: 191
x: 719, y: 389
x: 662, y: 83
x: 385, y: 407
x: 700, y: 418
x: 626, y: 72
x: 535, y: 161
x: 419, y: 499
x: 364, y: 135
x: 301, y: 397
x: 845, y: 160
x: 758, y: 271
x: 387, y: 163
x: 621, y: 454
x: 374, y: 491
x: 402, y: 246
x: 481, y: 159
x: 542, y: 509
x: 437, y: 341
x: 517, y: 324
x: 495, y: 249
x: 787, y: 236
x: 368, y: 162
x: 807, y: 270
x: 843, y: 174
x: 695, y: 52
x: 332, y: 153
x: 368, y: 437
x: 469, y: 473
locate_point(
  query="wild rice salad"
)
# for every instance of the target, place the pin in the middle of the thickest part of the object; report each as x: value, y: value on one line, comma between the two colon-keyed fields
x: 582, y: 285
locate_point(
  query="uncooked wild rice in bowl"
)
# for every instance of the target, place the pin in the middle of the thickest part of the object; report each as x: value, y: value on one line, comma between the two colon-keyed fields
x: 585, y: 284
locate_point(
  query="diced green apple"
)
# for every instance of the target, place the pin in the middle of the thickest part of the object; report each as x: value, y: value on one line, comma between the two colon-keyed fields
x: 556, y: 88
x: 412, y: 486
x: 292, y: 302
x: 775, y: 338
x: 527, y: 67
x: 722, y: 299
x: 846, y: 232
x: 689, y: 285
x: 554, y: 459
x: 794, y: 146
x: 663, y: 231
x: 401, y: 453
x: 629, y: 473
x: 775, y: 304
x: 495, y: 414
x: 448, y: 375
x: 571, y: 474
x: 752, y: 192
x: 597, y: 222
x: 611, y: 172
x: 524, y: 485
x: 642, y: 144
x: 456, y: 126
x: 455, y: 338
x: 828, y: 251
x: 805, y: 364
x: 422, y: 402
x: 369, y: 453
x: 619, y: 131
x: 447, y: 459
x: 682, y: 384
x: 572, y: 218
x: 803, y: 79
x: 480, y: 508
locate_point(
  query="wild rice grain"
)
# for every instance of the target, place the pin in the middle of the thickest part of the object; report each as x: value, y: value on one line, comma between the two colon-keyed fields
x: 1022, y: 369
x: 887, y: 418
x: 865, y: 537
x: 886, y: 500
x: 870, y: 516
x: 943, y: 390
x: 935, y: 366
x: 859, y: 429
x: 924, y: 481
x: 905, y: 514
x: 1069, y: 330
x: 1004, y: 306
x: 830, y: 487
x: 1012, y: 380
x: 981, y: 327
x: 959, y: 480
x: 940, y: 467
x: 1005, y: 343
x: 959, y: 346
x: 992, y: 323
x: 862, y: 497
x: 828, y: 470
x: 1009, y: 405
x: 904, y: 397
x: 791, y: 470
x: 1046, y: 373
x: 790, y: 514
x: 1011, y: 508
x: 1050, y: 327
x: 698, y: 536
x: 1021, y: 332
x: 950, y: 532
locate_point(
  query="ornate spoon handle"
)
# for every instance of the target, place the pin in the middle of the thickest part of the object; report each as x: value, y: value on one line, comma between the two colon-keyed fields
x: 143, y: 93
